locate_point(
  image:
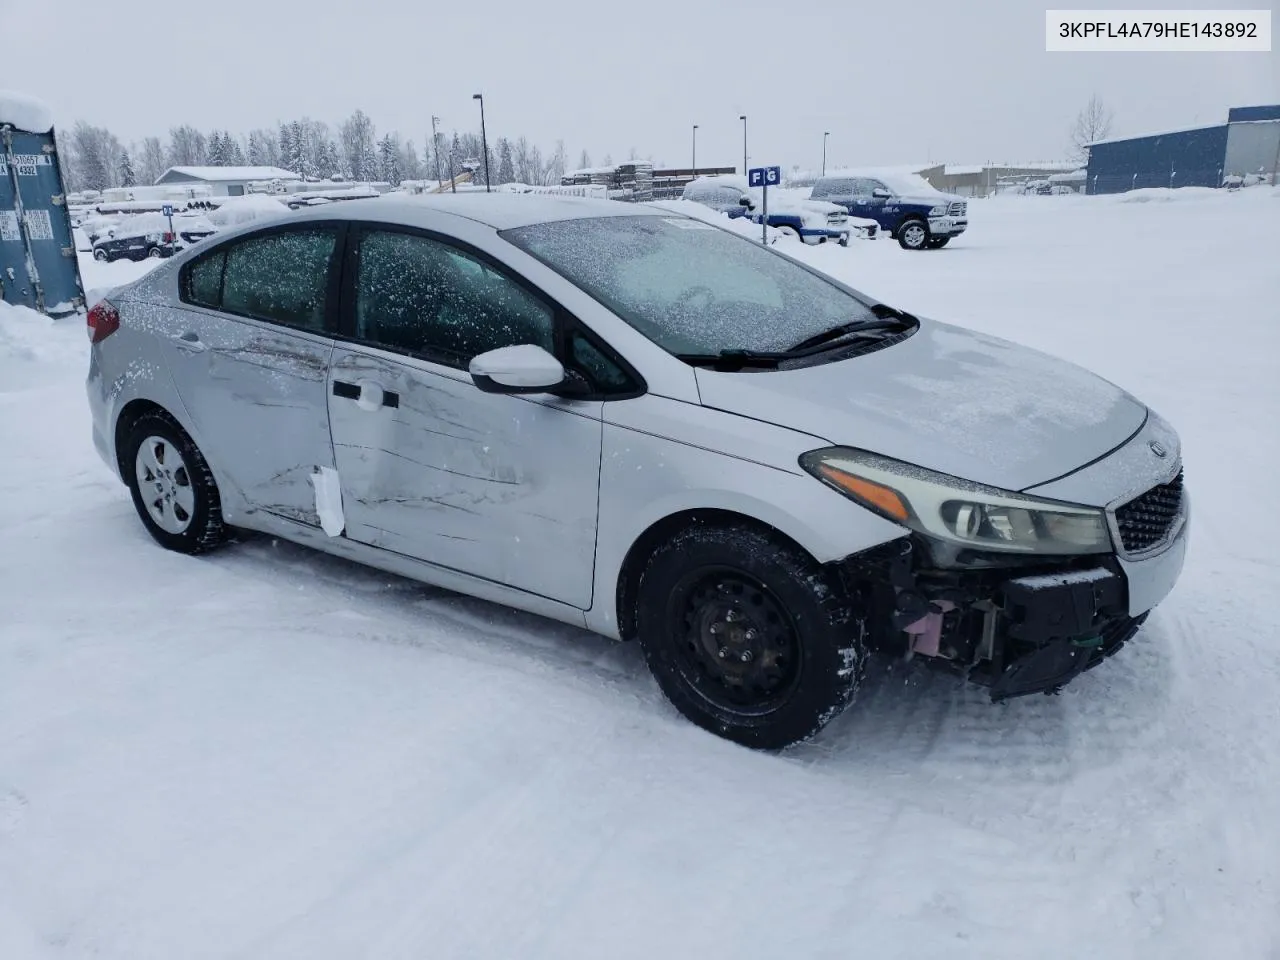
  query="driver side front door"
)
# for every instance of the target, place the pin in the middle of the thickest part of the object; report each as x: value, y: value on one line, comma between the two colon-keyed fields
x: 501, y: 487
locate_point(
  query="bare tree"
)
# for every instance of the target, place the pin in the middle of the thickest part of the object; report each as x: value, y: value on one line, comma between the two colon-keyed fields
x: 187, y: 147
x: 151, y: 163
x: 1093, y: 123
x: 95, y: 157
x: 357, y: 134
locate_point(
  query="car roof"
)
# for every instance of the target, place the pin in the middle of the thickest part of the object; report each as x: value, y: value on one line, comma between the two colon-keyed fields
x: 499, y: 210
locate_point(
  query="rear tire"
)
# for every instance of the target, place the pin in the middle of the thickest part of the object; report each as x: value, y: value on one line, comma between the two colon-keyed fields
x: 747, y: 635
x: 913, y: 235
x: 172, y: 486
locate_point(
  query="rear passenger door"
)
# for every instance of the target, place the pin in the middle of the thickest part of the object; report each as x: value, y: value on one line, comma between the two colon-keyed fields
x: 496, y: 486
x: 251, y: 361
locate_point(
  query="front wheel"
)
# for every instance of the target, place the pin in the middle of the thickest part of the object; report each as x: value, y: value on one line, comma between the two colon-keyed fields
x: 913, y: 235
x: 100, y: 255
x: 747, y: 635
x: 155, y: 253
x: 173, y: 488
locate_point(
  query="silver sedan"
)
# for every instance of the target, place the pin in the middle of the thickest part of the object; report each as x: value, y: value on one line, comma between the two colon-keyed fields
x: 653, y: 428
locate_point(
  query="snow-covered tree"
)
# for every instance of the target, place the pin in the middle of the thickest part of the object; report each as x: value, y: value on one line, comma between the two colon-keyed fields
x: 410, y: 165
x: 187, y: 147
x: 506, y: 169
x: 389, y: 159
x: 584, y: 160
x: 94, y: 157
x: 557, y: 165
x: 235, y: 152
x: 151, y: 165
x: 358, y: 146
x: 257, y: 149
x: 217, y: 150
x: 295, y: 157
x: 127, y: 176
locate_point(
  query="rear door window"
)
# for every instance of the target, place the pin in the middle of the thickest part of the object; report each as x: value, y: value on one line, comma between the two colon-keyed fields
x: 282, y: 277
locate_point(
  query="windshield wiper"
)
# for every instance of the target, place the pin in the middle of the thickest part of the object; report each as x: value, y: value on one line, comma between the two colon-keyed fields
x: 736, y: 359
x: 887, y: 318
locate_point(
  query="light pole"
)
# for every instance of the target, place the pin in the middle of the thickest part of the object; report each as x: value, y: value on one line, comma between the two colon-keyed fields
x: 435, y: 149
x: 484, y: 140
x: 694, y: 166
x: 825, y: 134
x: 743, y: 118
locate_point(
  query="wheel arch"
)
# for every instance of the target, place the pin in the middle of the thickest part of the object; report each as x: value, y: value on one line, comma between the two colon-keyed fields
x: 659, y: 532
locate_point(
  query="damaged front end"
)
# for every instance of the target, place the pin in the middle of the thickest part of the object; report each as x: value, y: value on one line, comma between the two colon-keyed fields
x: 1015, y: 625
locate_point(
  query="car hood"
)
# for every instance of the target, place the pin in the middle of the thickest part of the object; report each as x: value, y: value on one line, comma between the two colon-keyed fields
x: 949, y: 399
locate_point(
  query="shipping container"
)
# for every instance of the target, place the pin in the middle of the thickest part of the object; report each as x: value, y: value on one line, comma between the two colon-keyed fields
x: 38, y: 263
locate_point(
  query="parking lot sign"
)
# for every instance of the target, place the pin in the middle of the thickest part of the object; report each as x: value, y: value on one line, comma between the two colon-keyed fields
x: 167, y: 209
x: 764, y: 176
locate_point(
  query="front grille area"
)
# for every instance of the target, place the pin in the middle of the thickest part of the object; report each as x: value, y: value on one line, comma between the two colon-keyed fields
x: 1145, y: 520
x: 958, y: 209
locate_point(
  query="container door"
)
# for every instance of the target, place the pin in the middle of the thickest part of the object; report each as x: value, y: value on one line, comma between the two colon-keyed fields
x: 38, y: 265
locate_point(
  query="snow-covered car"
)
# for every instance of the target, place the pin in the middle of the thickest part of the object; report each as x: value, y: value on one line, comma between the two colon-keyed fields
x: 813, y: 221
x: 96, y: 227
x: 252, y: 207
x: 637, y: 423
x: 913, y: 212
x: 192, y: 228
x: 137, y: 238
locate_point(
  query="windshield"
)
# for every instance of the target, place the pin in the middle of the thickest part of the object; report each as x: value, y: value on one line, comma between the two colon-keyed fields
x: 690, y: 287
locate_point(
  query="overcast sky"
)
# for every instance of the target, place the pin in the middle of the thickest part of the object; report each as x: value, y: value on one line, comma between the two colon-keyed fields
x: 895, y: 82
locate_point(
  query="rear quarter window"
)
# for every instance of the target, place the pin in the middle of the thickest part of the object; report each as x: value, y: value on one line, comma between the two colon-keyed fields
x: 202, y: 284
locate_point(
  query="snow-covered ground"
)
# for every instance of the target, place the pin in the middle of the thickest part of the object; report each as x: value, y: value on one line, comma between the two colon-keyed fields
x: 267, y: 753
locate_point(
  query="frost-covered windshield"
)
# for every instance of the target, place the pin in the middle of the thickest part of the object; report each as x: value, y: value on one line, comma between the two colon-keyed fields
x: 689, y: 286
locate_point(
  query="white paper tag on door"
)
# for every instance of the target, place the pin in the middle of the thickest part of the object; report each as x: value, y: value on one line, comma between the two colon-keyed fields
x: 329, y: 500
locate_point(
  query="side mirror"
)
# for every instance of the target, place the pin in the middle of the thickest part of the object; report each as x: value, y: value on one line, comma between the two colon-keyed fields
x: 746, y: 202
x: 880, y: 193
x: 525, y: 368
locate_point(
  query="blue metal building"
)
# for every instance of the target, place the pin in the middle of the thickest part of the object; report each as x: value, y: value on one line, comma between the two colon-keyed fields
x: 38, y: 263
x: 1248, y: 143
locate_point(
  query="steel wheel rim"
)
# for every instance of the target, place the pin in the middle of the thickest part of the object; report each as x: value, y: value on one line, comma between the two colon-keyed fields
x: 154, y: 253
x: 164, y: 484
x: 913, y: 234
x: 100, y: 255
x: 735, y: 644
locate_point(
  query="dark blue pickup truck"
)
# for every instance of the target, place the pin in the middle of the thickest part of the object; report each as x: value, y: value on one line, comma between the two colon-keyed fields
x: 919, y: 217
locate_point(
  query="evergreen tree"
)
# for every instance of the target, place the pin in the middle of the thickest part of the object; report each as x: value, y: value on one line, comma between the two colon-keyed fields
x: 295, y: 159
x: 389, y: 160
x: 217, y: 155
x: 257, y: 150
x: 127, y: 177
x: 285, y: 147
x: 455, y: 155
x: 506, y: 169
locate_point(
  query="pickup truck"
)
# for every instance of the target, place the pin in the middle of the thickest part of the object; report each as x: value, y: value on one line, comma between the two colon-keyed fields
x: 913, y: 212
x: 811, y: 221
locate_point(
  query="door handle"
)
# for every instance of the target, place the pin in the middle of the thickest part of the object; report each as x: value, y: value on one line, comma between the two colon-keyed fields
x: 366, y: 393
x: 189, y: 341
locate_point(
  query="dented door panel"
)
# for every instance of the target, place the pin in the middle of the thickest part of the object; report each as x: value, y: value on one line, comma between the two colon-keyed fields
x: 500, y: 487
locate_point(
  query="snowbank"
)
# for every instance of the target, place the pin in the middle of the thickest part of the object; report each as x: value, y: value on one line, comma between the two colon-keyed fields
x: 25, y: 112
x: 28, y: 337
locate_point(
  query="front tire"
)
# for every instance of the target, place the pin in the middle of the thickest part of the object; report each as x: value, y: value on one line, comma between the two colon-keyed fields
x: 913, y: 235
x: 101, y: 256
x: 155, y: 253
x: 172, y: 486
x: 747, y: 635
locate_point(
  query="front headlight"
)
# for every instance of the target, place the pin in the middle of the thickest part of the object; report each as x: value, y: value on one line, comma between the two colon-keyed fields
x: 939, y: 211
x: 957, y: 511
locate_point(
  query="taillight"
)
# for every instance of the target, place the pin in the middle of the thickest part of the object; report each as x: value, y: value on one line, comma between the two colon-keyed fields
x: 168, y: 237
x: 103, y: 321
